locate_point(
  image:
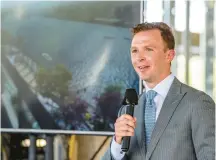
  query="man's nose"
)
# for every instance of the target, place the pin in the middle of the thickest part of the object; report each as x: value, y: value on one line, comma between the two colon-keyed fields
x: 141, y: 57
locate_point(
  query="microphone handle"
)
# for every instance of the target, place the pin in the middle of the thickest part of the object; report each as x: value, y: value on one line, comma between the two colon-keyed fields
x: 126, y: 140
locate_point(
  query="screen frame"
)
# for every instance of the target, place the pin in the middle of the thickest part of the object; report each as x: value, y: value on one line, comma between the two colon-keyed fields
x: 75, y: 132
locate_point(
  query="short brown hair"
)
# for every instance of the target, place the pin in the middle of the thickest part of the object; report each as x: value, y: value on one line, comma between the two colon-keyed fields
x: 165, y: 30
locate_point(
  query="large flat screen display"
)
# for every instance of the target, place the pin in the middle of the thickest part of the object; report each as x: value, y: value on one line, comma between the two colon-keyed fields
x: 65, y: 65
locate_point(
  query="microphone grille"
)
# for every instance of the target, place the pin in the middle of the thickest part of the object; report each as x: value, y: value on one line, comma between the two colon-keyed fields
x: 131, y: 97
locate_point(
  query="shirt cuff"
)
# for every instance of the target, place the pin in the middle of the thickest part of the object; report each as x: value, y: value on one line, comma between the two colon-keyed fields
x: 116, y: 151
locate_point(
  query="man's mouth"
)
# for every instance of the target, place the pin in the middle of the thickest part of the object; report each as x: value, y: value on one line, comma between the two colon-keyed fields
x: 142, y: 68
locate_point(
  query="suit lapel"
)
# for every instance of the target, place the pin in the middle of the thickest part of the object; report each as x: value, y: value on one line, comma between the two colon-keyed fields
x: 139, y: 130
x: 171, y: 101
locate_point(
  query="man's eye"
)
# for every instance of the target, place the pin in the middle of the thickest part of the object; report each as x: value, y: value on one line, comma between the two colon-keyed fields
x: 134, y: 51
x: 149, y: 49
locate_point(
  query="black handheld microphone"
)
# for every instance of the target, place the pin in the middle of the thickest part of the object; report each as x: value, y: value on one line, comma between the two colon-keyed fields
x: 130, y: 99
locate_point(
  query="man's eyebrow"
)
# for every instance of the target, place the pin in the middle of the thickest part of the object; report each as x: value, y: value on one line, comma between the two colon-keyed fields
x: 132, y: 48
x: 149, y: 46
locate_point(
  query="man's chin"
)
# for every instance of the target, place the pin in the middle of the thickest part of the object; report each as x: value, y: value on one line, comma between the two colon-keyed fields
x: 144, y: 77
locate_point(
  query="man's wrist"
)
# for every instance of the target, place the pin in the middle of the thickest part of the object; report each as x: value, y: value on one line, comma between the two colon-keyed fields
x: 117, y: 139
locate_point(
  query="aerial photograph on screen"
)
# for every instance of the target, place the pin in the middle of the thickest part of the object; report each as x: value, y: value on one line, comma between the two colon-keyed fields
x: 65, y: 65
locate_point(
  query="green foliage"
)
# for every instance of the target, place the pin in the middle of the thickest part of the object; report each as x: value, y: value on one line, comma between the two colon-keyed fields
x: 108, y: 104
x: 53, y: 82
x: 6, y: 37
x: 113, y: 88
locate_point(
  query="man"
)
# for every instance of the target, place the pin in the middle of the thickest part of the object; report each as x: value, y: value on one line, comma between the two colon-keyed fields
x: 172, y: 121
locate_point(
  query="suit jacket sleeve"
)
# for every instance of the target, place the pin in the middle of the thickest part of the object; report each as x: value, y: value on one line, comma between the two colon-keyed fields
x: 203, y: 127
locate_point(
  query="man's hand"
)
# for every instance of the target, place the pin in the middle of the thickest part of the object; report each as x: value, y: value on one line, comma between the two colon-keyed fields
x: 124, y: 126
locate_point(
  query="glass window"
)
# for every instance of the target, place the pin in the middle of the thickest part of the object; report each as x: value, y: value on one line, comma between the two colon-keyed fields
x: 201, y: 56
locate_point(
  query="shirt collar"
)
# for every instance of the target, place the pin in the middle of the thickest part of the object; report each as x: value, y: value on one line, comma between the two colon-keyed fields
x: 163, y: 87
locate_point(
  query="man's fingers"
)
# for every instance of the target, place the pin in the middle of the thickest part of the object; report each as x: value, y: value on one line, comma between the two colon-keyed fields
x: 125, y: 123
x: 125, y: 116
x: 125, y: 128
x: 124, y: 133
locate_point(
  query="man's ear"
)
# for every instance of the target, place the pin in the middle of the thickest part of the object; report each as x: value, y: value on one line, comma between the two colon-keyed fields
x: 170, y: 55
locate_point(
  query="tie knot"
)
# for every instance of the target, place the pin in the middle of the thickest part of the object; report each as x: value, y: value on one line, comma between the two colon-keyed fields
x: 150, y: 95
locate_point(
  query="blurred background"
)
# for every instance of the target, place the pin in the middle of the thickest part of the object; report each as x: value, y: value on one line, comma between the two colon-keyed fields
x: 98, y: 34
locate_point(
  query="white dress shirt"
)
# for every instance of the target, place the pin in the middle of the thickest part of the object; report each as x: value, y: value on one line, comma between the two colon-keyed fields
x: 162, y: 89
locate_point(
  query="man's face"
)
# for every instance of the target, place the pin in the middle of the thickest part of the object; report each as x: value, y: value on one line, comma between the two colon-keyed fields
x: 150, y: 58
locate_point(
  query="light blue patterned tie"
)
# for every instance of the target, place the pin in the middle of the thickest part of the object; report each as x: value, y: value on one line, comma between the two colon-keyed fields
x: 150, y: 114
